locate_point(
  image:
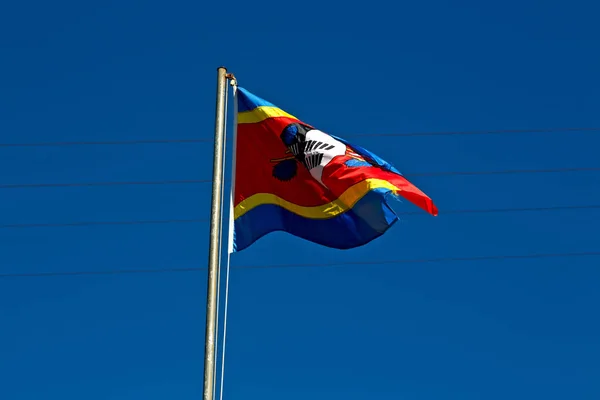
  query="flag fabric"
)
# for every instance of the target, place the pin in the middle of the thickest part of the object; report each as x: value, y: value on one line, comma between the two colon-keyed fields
x: 292, y: 177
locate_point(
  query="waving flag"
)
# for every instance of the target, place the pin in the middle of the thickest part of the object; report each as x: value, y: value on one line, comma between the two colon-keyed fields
x: 294, y: 178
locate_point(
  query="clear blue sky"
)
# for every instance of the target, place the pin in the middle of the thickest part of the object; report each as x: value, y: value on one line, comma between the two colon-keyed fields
x: 140, y: 70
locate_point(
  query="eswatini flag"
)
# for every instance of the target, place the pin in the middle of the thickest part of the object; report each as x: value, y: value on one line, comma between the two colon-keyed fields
x: 292, y: 177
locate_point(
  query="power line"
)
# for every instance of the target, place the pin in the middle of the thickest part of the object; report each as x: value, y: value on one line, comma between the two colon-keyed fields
x: 425, y: 260
x: 508, y: 172
x: 96, y: 223
x: 507, y: 210
x: 180, y: 221
x: 305, y: 265
x: 108, y: 143
x: 483, y: 132
x: 196, y: 181
x: 208, y: 140
x: 84, y: 184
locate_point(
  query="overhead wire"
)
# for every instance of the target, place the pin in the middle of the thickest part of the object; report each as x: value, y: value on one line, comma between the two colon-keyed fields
x: 195, y: 220
x: 95, y: 223
x: 107, y: 143
x: 498, y: 257
x: 109, y: 183
x: 196, y: 181
x: 481, y: 132
x: 391, y: 134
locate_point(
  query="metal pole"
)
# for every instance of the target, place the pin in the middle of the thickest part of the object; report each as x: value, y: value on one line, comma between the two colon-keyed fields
x: 215, y: 238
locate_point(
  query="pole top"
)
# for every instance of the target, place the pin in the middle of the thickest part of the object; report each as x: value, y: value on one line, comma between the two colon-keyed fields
x: 232, y: 79
x: 222, y: 67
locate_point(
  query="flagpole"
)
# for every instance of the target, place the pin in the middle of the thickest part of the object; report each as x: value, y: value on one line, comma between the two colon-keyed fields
x: 215, y: 238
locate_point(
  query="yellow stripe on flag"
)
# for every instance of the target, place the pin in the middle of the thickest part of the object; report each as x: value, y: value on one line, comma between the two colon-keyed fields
x: 259, y: 114
x: 345, y: 202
